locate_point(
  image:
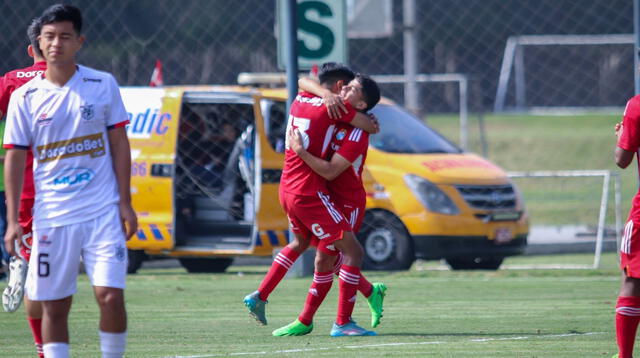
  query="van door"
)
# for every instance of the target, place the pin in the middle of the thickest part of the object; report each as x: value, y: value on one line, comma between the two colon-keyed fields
x: 153, y: 117
x: 215, y: 175
x: 271, y: 221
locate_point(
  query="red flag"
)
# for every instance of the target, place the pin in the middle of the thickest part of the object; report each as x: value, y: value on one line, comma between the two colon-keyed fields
x: 156, y: 76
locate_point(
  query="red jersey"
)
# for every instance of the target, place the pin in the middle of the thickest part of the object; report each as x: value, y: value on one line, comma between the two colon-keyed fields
x: 630, y: 141
x: 352, y: 144
x: 13, y: 80
x: 309, y: 115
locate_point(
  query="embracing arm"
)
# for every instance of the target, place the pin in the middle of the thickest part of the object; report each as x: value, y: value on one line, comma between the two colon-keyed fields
x: 121, y: 158
x: 328, y: 170
x: 333, y: 102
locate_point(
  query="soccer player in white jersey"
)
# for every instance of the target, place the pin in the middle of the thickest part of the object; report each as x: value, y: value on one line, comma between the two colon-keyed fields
x: 73, y: 119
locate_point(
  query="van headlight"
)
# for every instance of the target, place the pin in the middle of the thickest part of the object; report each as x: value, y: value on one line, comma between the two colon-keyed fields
x: 430, y: 195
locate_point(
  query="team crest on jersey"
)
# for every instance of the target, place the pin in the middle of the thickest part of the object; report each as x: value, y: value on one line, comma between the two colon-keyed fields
x: 120, y: 252
x: 87, y: 112
x: 341, y: 134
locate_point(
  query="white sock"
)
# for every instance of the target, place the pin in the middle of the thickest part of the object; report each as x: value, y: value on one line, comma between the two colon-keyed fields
x: 56, y: 350
x: 112, y: 345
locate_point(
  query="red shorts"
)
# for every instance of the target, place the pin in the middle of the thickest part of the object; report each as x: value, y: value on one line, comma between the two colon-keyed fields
x: 315, y: 216
x: 25, y: 219
x: 353, y: 209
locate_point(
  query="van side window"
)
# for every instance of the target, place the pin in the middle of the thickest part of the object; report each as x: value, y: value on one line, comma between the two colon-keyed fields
x: 276, y: 125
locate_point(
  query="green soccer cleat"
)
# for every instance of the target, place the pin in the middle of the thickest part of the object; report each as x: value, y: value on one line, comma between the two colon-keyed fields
x: 256, y: 307
x: 375, y: 302
x: 350, y: 329
x: 296, y: 328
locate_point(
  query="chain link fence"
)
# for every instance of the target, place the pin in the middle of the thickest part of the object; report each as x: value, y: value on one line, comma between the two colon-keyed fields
x: 211, y: 41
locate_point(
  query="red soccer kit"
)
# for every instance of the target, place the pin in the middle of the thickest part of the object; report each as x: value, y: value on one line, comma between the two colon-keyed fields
x: 13, y: 80
x: 347, y: 190
x: 303, y: 193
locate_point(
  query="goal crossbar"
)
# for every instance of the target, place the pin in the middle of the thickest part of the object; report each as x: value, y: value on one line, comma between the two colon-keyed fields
x: 604, y: 199
x: 512, y: 57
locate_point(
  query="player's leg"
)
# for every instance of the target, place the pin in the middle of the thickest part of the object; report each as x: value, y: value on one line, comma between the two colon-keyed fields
x: 320, y: 287
x: 628, y: 305
x: 105, y: 260
x: 349, y: 281
x: 32, y: 308
x: 34, y: 318
x: 51, y: 278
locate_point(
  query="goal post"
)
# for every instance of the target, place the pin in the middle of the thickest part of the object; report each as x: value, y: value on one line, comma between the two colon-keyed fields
x: 607, y: 176
x: 513, y: 60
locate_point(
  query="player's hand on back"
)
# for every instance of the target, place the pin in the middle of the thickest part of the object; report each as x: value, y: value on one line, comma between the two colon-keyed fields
x: 13, y: 234
x: 375, y: 122
x: 129, y: 220
x: 295, y: 140
x: 335, y: 105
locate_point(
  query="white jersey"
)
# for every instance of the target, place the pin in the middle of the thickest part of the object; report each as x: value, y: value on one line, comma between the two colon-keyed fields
x: 66, y: 127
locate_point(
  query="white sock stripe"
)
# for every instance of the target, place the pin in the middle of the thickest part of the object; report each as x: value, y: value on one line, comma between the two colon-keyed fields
x: 283, y: 260
x: 349, y: 274
x: 337, y: 217
x: 625, y: 245
x: 349, y: 277
x: 628, y: 311
x: 352, y: 282
x: 323, y: 279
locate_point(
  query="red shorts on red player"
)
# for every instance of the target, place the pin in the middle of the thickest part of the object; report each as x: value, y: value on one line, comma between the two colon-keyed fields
x: 25, y: 219
x: 630, y: 249
x: 314, y: 215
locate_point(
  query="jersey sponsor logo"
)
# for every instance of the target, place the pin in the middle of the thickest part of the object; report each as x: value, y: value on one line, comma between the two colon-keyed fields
x: 87, y: 112
x: 318, y: 231
x: 43, y: 120
x: 97, y: 80
x: 28, y: 74
x: 314, y: 101
x: 71, y: 179
x: 341, y: 134
x: 92, y: 145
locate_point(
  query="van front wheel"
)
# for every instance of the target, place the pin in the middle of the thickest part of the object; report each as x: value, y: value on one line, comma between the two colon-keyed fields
x: 198, y: 265
x: 386, y: 243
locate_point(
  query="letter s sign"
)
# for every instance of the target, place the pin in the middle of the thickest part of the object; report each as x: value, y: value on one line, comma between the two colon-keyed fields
x: 322, y: 29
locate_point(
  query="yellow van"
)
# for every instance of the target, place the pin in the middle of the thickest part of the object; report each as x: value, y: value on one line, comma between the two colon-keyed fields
x: 206, y: 164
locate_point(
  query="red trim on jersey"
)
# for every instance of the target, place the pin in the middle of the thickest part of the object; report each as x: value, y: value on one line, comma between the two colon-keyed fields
x: 118, y: 125
x: 15, y: 146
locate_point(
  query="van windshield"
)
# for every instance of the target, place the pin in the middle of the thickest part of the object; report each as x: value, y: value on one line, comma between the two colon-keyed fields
x: 401, y: 132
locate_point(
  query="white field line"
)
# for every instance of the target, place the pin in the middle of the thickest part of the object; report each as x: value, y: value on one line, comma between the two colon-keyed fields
x: 302, y: 350
x: 515, y: 267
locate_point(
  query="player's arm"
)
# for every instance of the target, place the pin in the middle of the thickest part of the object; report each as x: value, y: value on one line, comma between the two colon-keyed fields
x: 121, y: 158
x: 628, y: 135
x: 328, y: 170
x: 13, y: 177
x: 367, y: 123
x: 333, y: 102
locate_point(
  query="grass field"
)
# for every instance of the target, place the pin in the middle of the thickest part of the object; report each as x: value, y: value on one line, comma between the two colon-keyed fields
x: 527, y: 142
x: 428, y: 313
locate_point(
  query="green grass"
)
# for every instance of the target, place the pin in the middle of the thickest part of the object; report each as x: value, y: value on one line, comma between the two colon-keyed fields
x: 428, y: 313
x: 526, y: 143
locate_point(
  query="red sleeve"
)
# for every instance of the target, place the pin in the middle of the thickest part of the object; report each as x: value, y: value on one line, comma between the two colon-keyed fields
x: 4, y: 97
x: 355, y: 144
x: 630, y: 138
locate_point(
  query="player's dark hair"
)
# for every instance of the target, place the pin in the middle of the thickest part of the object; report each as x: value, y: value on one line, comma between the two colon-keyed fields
x: 33, y: 31
x: 370, y: 90
x: 332, y: 72
x: 62, y: 12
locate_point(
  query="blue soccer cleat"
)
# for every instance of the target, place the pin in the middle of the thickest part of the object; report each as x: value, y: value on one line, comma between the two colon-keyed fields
x: 256, y: 307
x: 350, y: 329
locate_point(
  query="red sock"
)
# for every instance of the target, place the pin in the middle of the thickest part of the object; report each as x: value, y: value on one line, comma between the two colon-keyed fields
x: 349, y: 280
x: 321, y: 285
x: 36, y: 330
x: 364, y: 287
x: 627, y: 319
x: 281, y: 264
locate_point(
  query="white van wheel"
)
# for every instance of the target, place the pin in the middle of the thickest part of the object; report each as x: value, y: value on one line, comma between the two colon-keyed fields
x: 379, y: 245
